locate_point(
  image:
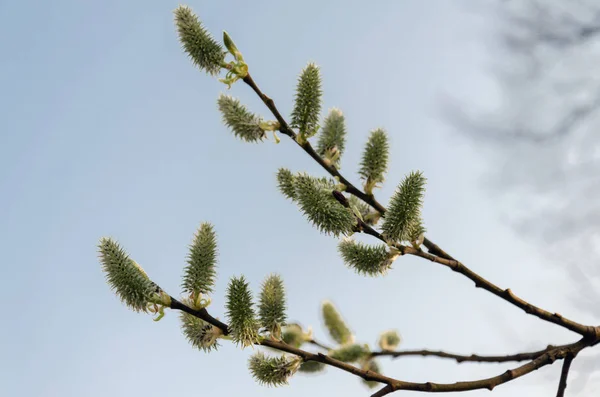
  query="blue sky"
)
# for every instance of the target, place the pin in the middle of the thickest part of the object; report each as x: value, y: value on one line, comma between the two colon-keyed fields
x: 107, y: 129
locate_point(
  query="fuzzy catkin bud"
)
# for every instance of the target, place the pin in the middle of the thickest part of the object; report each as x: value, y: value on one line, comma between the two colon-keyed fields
x: 332, y: 139
x: 242, y: 321
x: 199, y: 277
x: 273, y: 371
x: 338, y: 330
x: 403, y: 218
x: 286, y: 183
x: 243, y: 123
x: 271, y: 307
x: 373, y: 366
x: 293, y: 335
x: 305, y: 116
x: 321, y: 208
x: 371, y: 260
x: 129, y: 281
x: 374, y: 160
x: 389, y: 340
x: 311, y: 367
x: 349, y: 353
x: 197, y: 42
x: 199, y: 333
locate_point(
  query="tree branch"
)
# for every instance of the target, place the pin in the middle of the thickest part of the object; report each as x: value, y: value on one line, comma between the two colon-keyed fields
x: 562, y: 384
x: 460, y: 358
x: 551, y: 355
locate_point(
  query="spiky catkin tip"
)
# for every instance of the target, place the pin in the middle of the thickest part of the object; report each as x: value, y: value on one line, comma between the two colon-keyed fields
x: 316, y: 201
x: 129, y: 281
x: 402, y: 220
x: 374, y: 163
x: 371, y: 260
x: 273, y: 371
x: 199, y: 333
x: 389, y: 340
x: 373, y: 366
x: 271, y: 308
x: 199, y: 274
x: 286, y: 183
x: 197, y: 42
x: 305, y: 116
x: 242, y: 321
x: 243, y: 123
x: 338, y: 330
x: 349, y: 353
x: 332, y: 139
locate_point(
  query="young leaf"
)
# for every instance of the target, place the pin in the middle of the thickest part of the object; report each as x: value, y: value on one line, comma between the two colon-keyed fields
x: 271, y: 308
x: 129, y: 281
x: 372, y: 260
x: 389, y: 340
x: 242, y: 322
x: 199, y: 333
x: 204, y: 51
x: 375, y: 160
x: 316, y: 201
x: 244, y: 124
x: 273, y: 371
x: 335, y: 324
x: 403, y: 217
x: 349, y: 353
x: 199, y: 277
x: 286, y: 183
x: 373, y: 366
x: 332, y: 139
x: 305, y: 116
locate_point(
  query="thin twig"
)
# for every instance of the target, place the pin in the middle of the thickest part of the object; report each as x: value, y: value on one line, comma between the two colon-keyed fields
x: 549, y: 357
x: 562, y: 384
x: 319, y: 344
x: 460, y: 358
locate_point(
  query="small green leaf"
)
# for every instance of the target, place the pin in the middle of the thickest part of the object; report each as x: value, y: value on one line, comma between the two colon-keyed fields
x: 204, y: 51
x: 402, y: 220
x: 273, y: 371
x: 272, y: 308
x: 374, y: 162
x: 338, y: 330
x: 242, y: 321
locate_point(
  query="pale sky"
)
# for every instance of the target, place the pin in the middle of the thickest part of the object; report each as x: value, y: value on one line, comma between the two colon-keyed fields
x: 107, y: 129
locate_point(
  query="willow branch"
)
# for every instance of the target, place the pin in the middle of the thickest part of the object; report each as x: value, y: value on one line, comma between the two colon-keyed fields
x: 562, y: 384
x: 480, y: 282
x: 547, y: 358
x: 435, y: 254
x: 460, y: 358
